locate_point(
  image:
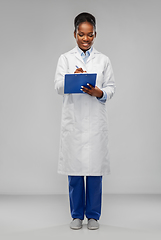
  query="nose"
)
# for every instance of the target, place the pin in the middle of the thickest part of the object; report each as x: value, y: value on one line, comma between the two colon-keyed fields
x: 85, y: 38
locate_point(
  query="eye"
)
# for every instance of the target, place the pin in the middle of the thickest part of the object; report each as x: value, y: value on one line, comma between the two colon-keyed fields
x: 81, y: 35
x: 91, y: 35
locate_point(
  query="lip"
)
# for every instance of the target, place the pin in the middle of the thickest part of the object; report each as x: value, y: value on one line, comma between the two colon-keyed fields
x: 85, y: 44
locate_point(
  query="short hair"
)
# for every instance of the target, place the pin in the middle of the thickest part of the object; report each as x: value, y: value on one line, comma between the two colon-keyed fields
x: 84, y: 17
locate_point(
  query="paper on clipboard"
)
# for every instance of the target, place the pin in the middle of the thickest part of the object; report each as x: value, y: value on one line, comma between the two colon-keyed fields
x: 73, y: 82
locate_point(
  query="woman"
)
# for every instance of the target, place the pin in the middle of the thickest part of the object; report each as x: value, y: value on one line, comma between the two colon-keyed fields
x: 84, y: 132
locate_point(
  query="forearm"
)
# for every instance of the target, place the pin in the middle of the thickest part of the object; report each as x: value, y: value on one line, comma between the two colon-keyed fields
x: 108, y: 85
x: 59, y: 75
x: 59, y: 86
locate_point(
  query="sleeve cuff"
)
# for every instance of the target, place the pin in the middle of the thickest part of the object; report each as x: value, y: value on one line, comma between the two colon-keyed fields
x: 103, y: 98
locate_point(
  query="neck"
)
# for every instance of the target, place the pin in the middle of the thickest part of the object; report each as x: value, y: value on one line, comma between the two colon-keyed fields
x: 85, y: 50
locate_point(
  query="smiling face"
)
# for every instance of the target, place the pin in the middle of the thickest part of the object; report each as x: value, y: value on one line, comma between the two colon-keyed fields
x: 85, y: 35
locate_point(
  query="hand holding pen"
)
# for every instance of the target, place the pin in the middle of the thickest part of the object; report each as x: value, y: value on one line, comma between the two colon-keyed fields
x: 79, y: 70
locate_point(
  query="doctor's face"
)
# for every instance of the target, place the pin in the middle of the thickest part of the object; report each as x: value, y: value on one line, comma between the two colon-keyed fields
x: 85, y: 36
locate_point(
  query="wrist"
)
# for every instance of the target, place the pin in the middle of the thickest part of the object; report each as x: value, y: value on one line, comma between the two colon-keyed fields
x: 100, y: 94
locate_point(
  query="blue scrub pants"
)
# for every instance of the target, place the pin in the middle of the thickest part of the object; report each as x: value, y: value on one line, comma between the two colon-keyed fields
x: 85, y: 202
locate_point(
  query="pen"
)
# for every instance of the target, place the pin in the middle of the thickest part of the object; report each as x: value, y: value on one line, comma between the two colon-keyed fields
x: 76, y: 66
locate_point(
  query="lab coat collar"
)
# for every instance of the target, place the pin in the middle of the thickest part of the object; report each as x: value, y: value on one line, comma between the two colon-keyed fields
x: 87, y: 52
x: 77, y: 54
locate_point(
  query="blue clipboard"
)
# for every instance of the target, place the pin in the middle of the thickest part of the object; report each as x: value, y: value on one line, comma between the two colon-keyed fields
x: 73, y: 82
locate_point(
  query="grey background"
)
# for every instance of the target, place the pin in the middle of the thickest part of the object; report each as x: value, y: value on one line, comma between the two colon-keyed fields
x: 33, y: 35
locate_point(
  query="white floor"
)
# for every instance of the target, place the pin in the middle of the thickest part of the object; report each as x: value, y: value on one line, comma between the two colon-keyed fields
x: 48, y: 216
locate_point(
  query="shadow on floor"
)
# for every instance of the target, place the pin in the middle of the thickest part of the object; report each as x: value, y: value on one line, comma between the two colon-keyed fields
x: 64, y: 232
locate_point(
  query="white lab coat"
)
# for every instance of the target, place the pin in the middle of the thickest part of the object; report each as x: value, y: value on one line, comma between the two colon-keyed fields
x: 84, y: 129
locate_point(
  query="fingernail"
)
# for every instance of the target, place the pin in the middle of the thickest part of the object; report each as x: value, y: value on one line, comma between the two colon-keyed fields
x: 81, y: 86
x: 81, y: 89
x: 87, y: 83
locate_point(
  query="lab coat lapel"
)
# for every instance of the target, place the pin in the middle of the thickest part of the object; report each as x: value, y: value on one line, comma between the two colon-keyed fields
x: 92, y: 55
x: 77, y: 54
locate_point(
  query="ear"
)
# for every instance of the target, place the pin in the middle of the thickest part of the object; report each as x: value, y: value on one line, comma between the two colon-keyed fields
x: 95, y: 34
x: 75, y: 34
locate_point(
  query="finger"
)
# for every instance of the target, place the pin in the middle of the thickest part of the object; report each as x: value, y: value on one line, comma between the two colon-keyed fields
x: 86, y: 91
x: 90, y: 85
x: 79, y: 70
x: 84, y: 88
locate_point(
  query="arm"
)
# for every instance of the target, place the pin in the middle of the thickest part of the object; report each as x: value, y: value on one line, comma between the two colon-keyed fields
x: 61, y: 70
x: 108, y: 87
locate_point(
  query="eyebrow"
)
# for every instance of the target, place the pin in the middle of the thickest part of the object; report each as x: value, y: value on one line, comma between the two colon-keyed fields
x: 83, y: 32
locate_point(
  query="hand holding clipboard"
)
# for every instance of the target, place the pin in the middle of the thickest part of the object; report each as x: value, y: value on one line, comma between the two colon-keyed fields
x: 85, y: 83
x: 73, y: 82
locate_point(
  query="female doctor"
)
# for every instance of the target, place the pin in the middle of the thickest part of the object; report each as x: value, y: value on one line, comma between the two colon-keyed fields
x: 84, y: 132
